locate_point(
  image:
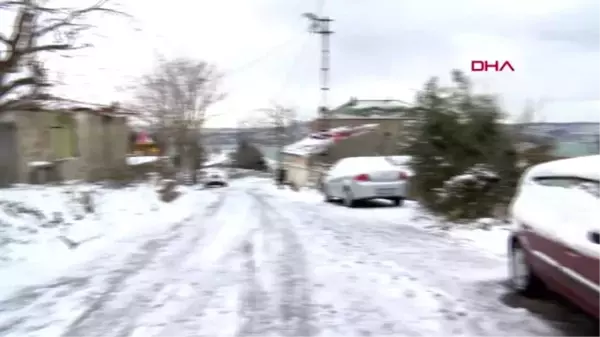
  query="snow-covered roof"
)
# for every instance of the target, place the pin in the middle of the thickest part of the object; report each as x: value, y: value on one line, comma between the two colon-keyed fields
x: 220, y: 158
x: 371, y: 115
x: 73, y: 106
x: 312, y: 145
x: 377, y: 104
x: 370, y: 108
x: 587, y: 167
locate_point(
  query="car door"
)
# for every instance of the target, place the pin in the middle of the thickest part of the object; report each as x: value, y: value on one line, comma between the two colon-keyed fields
x: 541, y: 220
x: 582, y: 234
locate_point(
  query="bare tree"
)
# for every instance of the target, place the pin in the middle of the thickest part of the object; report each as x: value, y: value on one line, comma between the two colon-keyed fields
x: 38, y: 28
x: 175, y: 99
x: 280, y: 122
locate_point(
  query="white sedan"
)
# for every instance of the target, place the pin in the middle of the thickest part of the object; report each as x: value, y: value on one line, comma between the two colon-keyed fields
x: 355, y: 179
x: 214, y: 178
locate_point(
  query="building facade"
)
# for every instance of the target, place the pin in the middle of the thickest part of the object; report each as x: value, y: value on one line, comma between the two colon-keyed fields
x: 67, y: 144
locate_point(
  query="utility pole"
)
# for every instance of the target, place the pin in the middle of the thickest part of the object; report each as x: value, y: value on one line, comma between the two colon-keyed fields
x: 320, y: 25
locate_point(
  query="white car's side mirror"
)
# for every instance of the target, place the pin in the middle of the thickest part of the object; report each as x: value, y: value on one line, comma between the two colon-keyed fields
x: 594, y: 237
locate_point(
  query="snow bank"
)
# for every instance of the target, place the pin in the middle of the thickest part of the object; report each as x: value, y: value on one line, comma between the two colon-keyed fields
x: 319, y: 142
x: 489, y: 235
x: 39, y: 163
x: 220, y: 158
x: 140, y: 160
x: 43, y: 229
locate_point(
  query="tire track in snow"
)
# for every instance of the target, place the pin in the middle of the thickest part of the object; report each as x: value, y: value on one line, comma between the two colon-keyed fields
x: 349, y: 232
x: 293, y: 293
x: 107, y: 314
x: 468, y: 306
x: 256, y: 307
x: 204, y: 296
x: 226, y: 274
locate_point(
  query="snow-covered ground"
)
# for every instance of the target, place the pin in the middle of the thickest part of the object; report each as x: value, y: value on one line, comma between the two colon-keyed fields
x: 44, y: 229
x: 489, y: 239
x: 251, y: 259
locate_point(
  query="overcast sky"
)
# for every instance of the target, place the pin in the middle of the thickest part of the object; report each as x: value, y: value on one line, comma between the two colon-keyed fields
x: 380, y: 49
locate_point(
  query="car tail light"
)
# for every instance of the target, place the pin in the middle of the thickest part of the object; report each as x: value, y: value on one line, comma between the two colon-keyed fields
x: 362, y: 177
x: 402, y: 175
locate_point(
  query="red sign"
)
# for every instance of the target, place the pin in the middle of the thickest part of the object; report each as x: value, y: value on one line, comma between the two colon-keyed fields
x: 143, y: 139
x: 497, y: 66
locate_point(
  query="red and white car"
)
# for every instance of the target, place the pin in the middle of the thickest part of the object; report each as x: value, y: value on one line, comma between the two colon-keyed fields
x: 556, y: 238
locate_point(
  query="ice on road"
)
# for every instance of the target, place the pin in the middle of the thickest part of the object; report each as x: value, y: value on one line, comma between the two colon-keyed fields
x: 253, y: 262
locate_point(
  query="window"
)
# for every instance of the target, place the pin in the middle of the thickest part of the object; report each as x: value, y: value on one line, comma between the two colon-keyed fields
x: 590, y: 186
x: 556, y: 181
x: 63, y: 137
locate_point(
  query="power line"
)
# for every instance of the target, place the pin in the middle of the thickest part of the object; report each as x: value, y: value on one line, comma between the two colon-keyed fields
x: 262, y: 57
x: 288, y: 75
x: 248, y: 65
x: 320, y: 4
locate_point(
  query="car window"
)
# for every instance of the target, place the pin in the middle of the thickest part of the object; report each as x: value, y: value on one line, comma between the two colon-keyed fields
x: 556, y: 181
x: 590, y: 186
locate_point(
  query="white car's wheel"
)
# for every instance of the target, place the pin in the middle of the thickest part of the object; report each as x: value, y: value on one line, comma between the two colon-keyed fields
x: 522, y: 278
x: 326, y: 194
x: 349, y: 198
x: 399, y: 201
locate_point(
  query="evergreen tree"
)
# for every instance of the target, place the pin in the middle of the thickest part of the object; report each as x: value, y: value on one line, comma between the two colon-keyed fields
x: 460, y: 150
x: 248, y: 156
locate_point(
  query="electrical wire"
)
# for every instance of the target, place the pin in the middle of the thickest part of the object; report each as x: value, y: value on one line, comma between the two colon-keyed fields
x: 288, y: 74
x: 286, y: 80
x: 266, y: 55
x: 319, y: 7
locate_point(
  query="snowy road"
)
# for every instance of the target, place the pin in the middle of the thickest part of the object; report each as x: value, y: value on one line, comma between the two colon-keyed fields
x: 251, y: 262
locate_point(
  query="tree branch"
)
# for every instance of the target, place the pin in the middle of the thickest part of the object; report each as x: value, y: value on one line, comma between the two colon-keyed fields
x: 31, y: 24
x: 7, y: 88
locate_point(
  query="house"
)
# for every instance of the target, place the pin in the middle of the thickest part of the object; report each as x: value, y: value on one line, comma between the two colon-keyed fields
x: 52, y: 143
x: 379, y: 122
x: 305, y: 160
x: 388, y: 114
